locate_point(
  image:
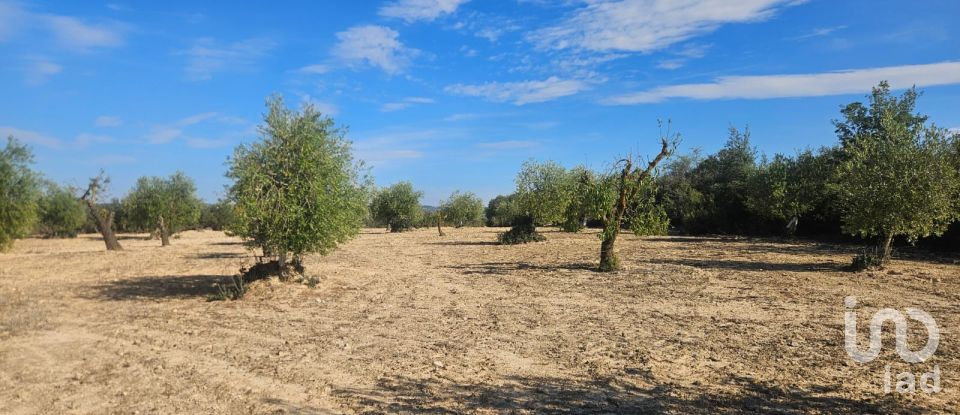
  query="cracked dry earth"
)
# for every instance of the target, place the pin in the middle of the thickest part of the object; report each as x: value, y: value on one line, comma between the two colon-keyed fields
x: 416, y: 323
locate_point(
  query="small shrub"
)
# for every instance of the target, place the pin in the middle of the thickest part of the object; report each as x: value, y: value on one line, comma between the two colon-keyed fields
x: 521, y: 233
x: 867, y: 259
x: 233, y: 291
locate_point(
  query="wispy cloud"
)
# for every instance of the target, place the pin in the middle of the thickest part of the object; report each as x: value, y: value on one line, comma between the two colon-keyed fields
x: 414, y: 10
x: 520, y: 93
x: 649, y: 25
x: 39, y: 70
x: 30, y: 137
x: 326, y: 108
x: 78, y: 35
x: 818, y: 32
x: 108, y: 121
x: 800, y: 85
x: 372, y: 45
x: 405, y: 103
x: 683, y: 55
x: 207, y: 56
x: 317, y: 69
x: 165, y: 133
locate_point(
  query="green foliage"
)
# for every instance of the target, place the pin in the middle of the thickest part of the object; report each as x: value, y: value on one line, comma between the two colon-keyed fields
x: 724, y: 180
x: 543, y: 192
x: 296, y: 190
x: 579, y: 180
x: 462, y: 209
x: 216, y: 216
x: 172, y: 199
x: 686, y: 206
x: 866, y: 259
x: 62, y: 213
x: 646, y: 216
x: 502, y: 210
x: 397, y: 207
x: 19, y: 192
x: 896, y: 178
x: 793, y: 187
x: 883, y: 111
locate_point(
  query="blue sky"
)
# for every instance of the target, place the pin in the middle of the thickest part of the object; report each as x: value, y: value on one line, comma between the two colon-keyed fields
x: 452, y: 94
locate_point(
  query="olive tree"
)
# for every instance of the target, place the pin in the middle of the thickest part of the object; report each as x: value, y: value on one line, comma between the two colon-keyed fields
x: 61, y: 213
x: 612, y: 196
x: 397, y: 207
x: 462, y: 209
x: 542, y: 198
x: 168, y: 205
x: 298, y: 189
x: 19, y: 191
x: 216, y: 216
x: 103, y: 215
x: 501, y: 210
x: 897, y: 176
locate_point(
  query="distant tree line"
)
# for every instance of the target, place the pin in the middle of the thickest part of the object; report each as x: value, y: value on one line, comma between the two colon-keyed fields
x: 892, y: 175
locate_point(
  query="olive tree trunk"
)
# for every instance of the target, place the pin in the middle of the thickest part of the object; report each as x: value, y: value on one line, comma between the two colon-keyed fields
x: 628, y: 186
x: 440, y: 224
x: 164, y: 232
x: 104, y: 222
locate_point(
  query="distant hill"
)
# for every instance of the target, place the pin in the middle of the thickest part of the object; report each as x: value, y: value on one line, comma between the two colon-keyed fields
x: 430, y: 209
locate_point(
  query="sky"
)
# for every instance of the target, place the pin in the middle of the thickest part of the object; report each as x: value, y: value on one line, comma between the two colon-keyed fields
x: 453, y: 94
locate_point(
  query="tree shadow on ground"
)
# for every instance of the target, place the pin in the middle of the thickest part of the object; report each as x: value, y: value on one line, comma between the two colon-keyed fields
x: 221, y: 255
x: 501, y: 268
x: 739, y: 265
x: 228, y: 243
x: 551, y: 395
x: 160, y: 287
x: 465, y: 243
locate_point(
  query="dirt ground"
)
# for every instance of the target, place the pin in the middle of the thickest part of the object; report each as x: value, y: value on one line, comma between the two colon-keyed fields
x: 415, y: 323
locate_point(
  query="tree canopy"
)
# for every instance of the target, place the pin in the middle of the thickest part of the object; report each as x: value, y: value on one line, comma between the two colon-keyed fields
x: 168, y: 205
x: 19, y: 191
x: 62, y: 214
x: 462, y: 209
x: 298, y: 188
x: 397, y: 207
x: 898, y: 176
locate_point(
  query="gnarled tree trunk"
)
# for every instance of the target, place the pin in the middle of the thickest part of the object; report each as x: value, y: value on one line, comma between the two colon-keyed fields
x: 104, y: 221
x: 164, y: 232
x: 440, y: 224
x: 629, y: 185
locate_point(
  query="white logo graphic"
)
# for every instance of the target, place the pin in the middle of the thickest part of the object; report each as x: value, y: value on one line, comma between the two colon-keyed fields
x: 900, y: 326
x: 906, y: 382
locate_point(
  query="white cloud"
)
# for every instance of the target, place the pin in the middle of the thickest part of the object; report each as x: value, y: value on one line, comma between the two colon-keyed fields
x: 163, y: 135
x: 818, y: 32
x: 39, y: 70
x: 30, y: 137
x: 317, y: 69
x: 521, y: 93
x: 649, y: 25
x: 108, y: 121
x: 372, y: 45
x: 73, y: 33
x: 208, y: 56
x: 413, y: 10
x: 405, y: 103
x: 800, y: 85
x: 326, y: 108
